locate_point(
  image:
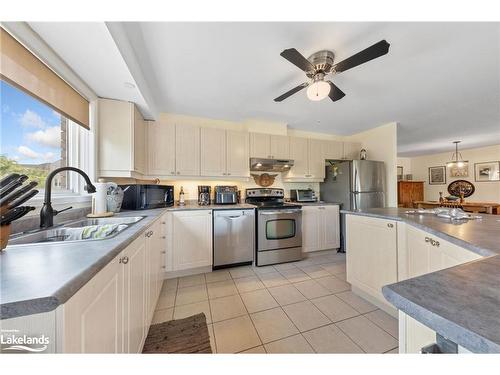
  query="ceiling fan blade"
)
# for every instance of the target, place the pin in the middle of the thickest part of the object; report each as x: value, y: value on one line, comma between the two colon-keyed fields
x: 335, y: 93
x: 291, y: 92
x: 370, y: 53
x: 297, y: 59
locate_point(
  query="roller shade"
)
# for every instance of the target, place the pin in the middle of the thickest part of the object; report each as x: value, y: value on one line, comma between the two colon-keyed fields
x: 19, y: 67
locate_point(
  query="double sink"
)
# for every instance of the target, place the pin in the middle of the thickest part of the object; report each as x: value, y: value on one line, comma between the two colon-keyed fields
x: 63, y: 232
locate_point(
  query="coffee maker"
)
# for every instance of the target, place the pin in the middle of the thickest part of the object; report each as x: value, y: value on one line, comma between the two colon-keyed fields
x: 203, y: 195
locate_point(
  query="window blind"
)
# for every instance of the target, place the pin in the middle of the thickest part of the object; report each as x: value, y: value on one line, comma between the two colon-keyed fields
x: 19, y: 67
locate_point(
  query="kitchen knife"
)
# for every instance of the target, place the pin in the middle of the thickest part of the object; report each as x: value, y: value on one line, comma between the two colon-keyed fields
x: 22, y: 199
x: 8, y: 179
x: 12, y: 186
x: 17, y: 193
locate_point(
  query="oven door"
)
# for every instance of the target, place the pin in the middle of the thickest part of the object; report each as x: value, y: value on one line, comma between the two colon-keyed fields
x: 279, y: 229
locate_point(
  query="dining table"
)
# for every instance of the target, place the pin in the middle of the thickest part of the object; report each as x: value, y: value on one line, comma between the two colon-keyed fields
x: 470, y: 206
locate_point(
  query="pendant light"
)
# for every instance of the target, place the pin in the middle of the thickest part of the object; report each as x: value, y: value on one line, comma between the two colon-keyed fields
x: 456, y: 158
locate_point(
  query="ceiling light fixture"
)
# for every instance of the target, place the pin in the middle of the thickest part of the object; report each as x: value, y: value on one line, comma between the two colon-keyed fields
x: 318, y: 90
x: 456, y: 158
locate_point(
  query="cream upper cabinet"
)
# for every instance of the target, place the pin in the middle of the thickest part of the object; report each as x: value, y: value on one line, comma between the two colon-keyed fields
x: 316, y: 159
x: 260, y: 145
x: 299, y: 153
x: 320, y: 228
x: 237, y: 153
x: 371, y: 254
x: 139, y: 142
x: 279, y: 147
x: 269, y: 146
x: 191, y: 239
x: 333, y: 150
x: 213, y: 152
x: 351, y: 150
x: 121, y: 139
x: 187, y: 150
x: 309, y: 160
x: 160, y: 148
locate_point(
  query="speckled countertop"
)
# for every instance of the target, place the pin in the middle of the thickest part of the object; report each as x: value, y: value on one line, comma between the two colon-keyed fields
x: 39, y: 277
x: 461, y: 303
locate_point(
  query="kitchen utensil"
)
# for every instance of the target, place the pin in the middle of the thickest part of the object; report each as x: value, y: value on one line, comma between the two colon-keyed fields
x: 12, y: 186
x: 8, y: 179
x: 17, y: 193
x: 22, y: 199
x: 15, y: 214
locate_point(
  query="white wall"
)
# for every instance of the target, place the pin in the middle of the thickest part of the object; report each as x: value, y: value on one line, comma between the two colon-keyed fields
x: 380, y: 144
x: 485, y: 191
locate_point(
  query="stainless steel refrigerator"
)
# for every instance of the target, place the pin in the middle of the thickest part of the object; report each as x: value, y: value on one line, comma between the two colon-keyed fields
x: 355, y: 184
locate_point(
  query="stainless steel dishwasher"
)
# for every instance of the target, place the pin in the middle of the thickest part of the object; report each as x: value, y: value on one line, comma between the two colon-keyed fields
x: 234, y: 237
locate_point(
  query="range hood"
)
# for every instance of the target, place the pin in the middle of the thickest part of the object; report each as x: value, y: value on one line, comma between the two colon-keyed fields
x: 270, y: 165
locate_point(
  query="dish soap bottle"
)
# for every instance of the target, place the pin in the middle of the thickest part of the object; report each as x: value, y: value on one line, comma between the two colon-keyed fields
x: 181, y: 197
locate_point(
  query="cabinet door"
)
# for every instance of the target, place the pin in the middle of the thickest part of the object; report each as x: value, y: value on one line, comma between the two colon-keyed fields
x: 299, y: 154
x: 187, y: 150
x: 139, y: 142
x: 115, y: 138
x: 329, y: 227
x: 135, y: 312
x: 93, y: 316
x: 160, y: 148
x: 371, y: 254
x: 418, y: 252
x: 351, y: 150
x: 316, y: 159
x: 310, y: 229
x: 213, y: 152
x: 280, y: 147
x: 260, y: 145
x: 237, y: 153
x: 192, y: 239
x: 333, y: 149
x: 153, y: 250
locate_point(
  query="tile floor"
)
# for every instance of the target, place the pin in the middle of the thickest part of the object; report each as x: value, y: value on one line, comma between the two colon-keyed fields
x: 300, y: 307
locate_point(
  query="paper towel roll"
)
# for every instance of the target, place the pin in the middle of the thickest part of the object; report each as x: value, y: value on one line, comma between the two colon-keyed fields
x: 100, y: 197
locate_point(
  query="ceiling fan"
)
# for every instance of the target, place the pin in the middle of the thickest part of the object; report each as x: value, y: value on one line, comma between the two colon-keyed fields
x: 321, y: 63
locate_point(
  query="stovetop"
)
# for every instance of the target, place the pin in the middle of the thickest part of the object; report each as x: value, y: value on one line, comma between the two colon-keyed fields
x: 273, y: 205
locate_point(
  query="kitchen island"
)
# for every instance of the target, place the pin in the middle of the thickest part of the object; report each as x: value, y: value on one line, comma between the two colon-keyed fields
x: 446, y: 278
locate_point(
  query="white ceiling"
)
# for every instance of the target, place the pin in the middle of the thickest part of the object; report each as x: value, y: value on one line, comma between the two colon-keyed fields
x: 440, y: 81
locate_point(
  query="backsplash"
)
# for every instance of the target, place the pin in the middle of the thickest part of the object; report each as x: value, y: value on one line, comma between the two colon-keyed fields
x: 191, y: 186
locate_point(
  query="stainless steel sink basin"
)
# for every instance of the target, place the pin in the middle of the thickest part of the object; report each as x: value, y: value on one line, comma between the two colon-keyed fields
x: 104, y: 220
x: 65, y: 232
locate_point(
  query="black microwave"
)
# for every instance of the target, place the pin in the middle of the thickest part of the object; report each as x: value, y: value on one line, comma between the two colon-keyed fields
x: 143, y: 197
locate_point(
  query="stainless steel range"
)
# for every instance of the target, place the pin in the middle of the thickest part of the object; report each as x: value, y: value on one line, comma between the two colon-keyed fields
x: 279, y: 227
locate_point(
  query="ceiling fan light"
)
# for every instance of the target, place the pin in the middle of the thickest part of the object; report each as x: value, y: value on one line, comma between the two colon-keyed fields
x: 319, y: 90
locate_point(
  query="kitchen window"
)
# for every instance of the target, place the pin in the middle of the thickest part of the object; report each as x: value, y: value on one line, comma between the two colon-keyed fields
x: 35, y: 139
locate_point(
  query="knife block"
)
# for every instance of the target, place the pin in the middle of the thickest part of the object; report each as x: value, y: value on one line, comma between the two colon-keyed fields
x: 4, y: 236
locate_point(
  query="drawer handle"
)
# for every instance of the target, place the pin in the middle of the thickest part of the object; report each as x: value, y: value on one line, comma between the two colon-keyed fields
x: 163, y: 267
x: 124, y: 260
x: 163, y: 252
x: 164, y: 222
x: 390, y: 225
x: 321, y: 208
x: 427, y: 239
x: 163, y: 237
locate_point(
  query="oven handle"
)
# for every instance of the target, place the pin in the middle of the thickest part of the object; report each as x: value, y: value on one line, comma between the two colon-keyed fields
x: 279, y: 212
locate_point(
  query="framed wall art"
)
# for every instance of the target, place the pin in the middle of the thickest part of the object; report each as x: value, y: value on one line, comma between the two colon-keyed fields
x: 437, y: 175
x: 462, y: 171
x: 487, y: 171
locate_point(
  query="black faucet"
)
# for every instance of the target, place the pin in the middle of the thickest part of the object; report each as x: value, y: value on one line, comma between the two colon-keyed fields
x: 47, y: 213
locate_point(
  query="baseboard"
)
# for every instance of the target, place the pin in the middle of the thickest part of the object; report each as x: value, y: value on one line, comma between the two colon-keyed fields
x: 189, y: 272
x: 375, y: 301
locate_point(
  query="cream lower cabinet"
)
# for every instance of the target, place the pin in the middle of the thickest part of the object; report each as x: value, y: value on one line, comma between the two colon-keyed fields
x: 320, y: 228
x: 113, y: 311
x: 190, y: 240
x: 371, y: 255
